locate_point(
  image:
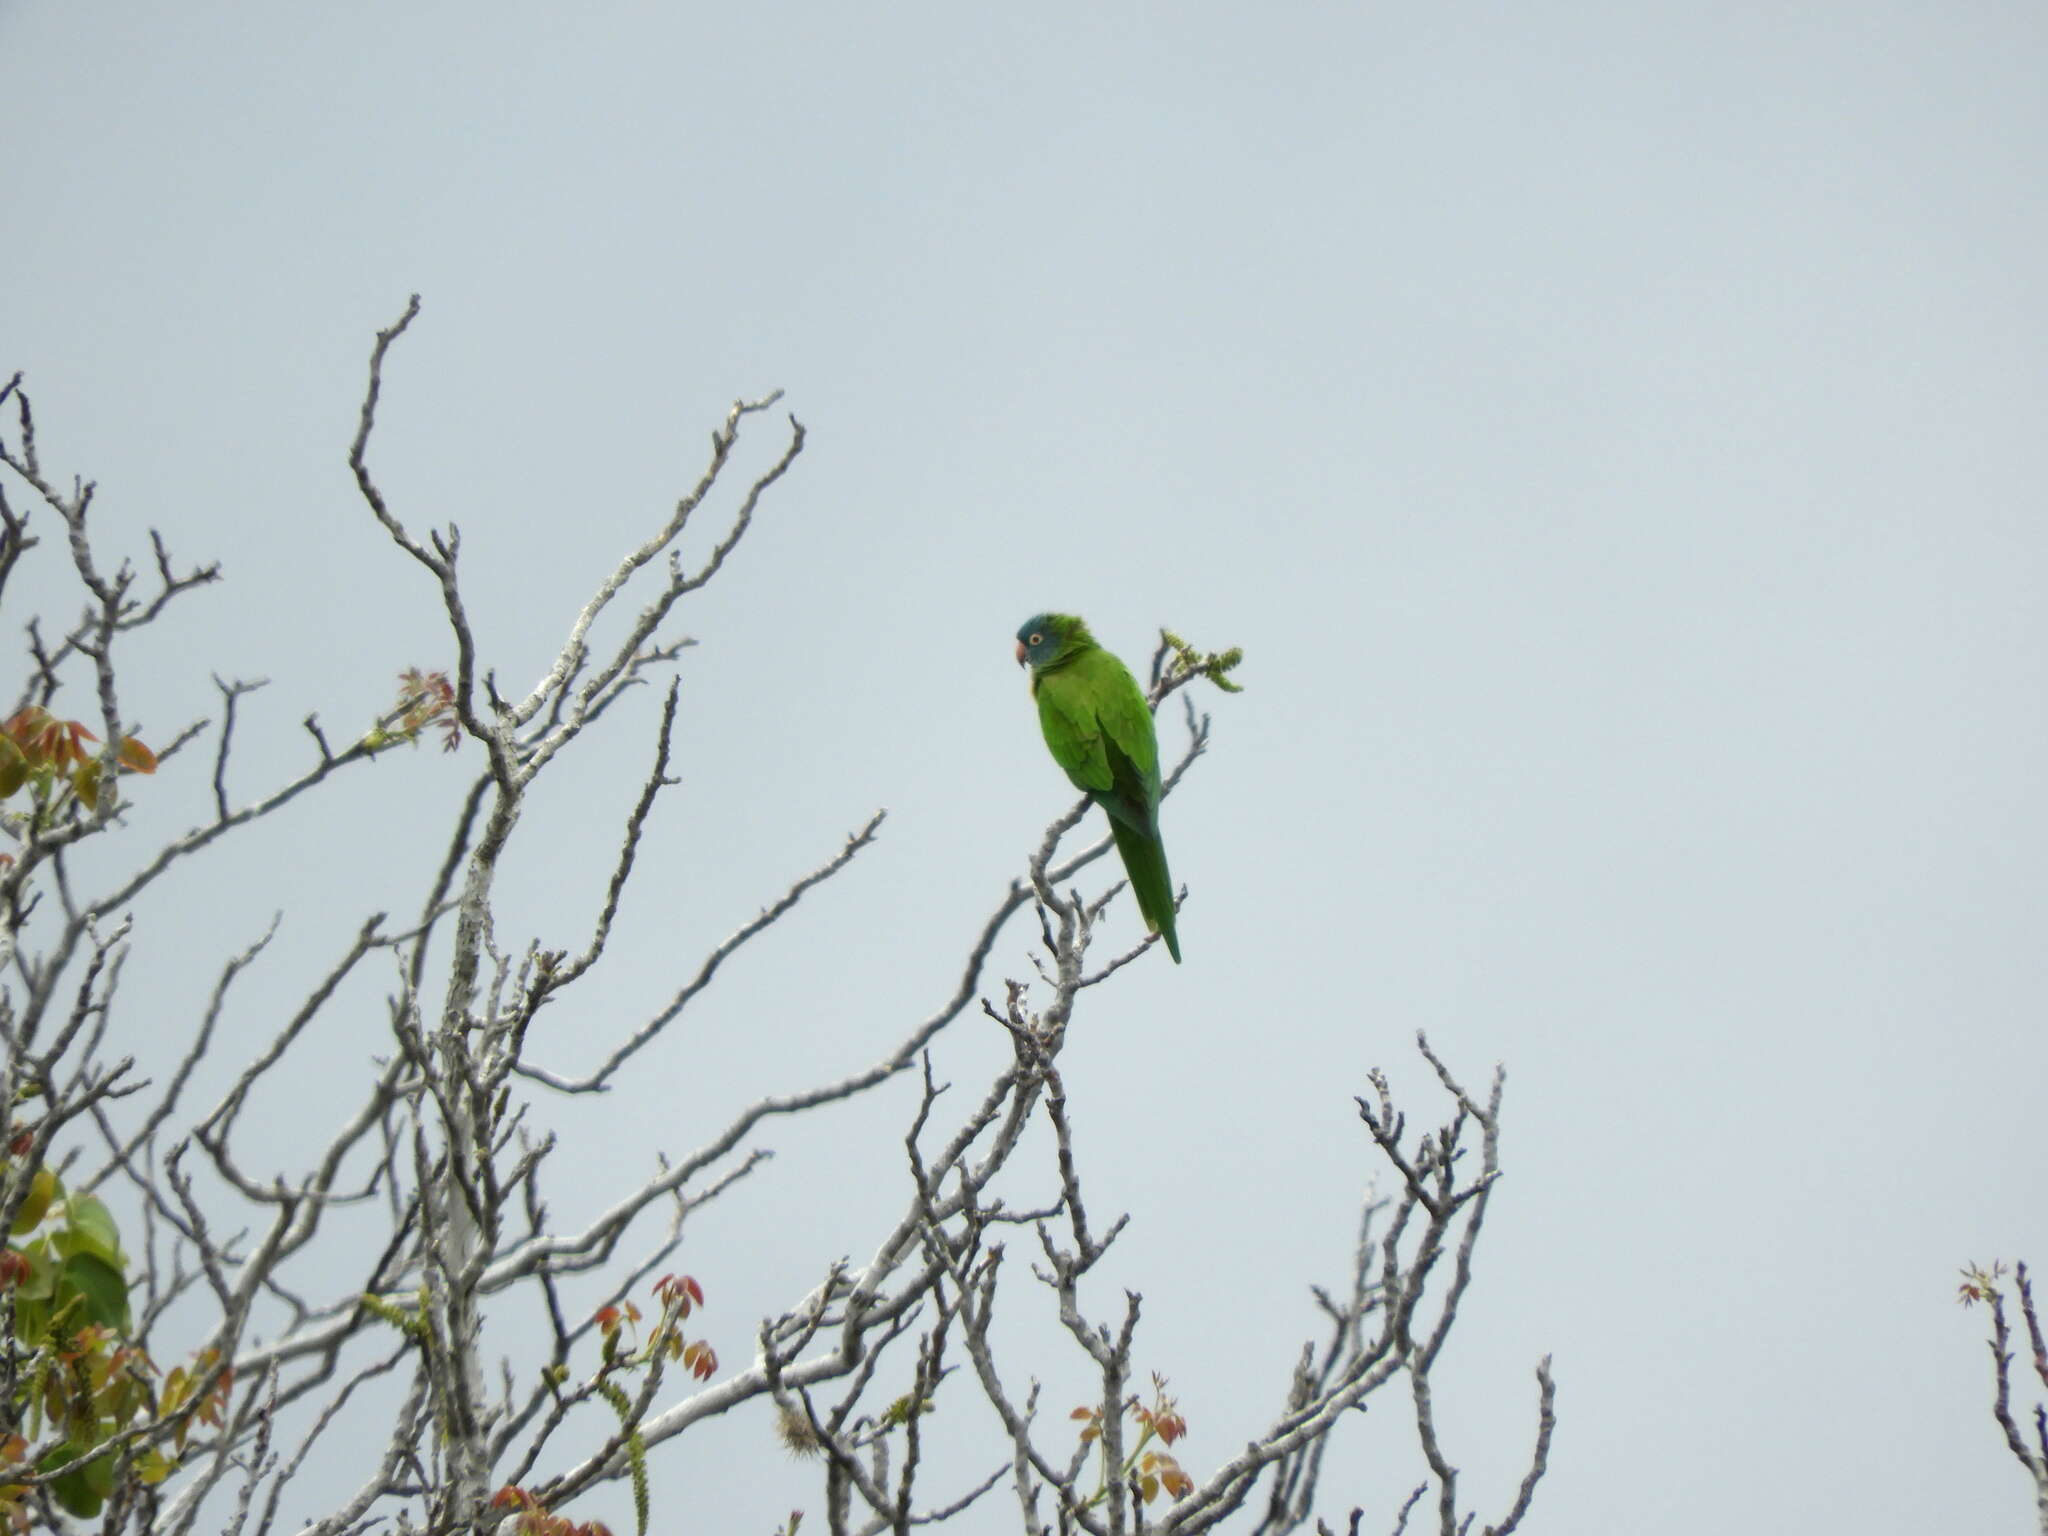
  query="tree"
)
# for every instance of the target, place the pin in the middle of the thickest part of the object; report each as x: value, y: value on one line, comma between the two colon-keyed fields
x: 447, y: 1138
x: 1987, y: 1285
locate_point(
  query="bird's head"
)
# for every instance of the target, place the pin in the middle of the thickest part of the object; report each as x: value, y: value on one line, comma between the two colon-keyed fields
x: 1047, y: 639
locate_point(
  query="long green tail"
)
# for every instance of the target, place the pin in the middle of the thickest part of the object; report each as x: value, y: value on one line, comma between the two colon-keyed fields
x: 1145, y: 861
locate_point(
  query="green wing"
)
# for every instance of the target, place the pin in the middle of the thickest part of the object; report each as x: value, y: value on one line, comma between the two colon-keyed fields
x: 1130, y: 745
x: 1067, y: 717
x: 1100, y: 732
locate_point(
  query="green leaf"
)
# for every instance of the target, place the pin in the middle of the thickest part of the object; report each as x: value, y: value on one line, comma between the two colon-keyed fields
x: 89, y: 1228
x: 43, y: 1188
x: 41, y: 1283
x: 83, y: 1492
x: 101, y: 1289
x: 32, y: 1319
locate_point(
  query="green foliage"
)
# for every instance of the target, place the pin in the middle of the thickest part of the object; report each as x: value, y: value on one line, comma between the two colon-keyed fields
x: 1214, y: 665
x: 411, y: 1321
x: 905, y: 1408
x: 636, y: 1447
x: 80, y: 1380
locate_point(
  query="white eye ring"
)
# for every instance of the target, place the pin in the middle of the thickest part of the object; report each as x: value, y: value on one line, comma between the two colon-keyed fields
x: 1035, y: 640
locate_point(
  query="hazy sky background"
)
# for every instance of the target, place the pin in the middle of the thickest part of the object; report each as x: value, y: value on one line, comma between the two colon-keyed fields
x: 1614, y: 432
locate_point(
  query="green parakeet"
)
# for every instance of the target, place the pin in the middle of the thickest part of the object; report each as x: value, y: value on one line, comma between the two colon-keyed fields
x: 1100, y: 732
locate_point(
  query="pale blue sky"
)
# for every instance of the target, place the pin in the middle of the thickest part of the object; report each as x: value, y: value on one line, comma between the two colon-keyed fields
x: 1614, y: 432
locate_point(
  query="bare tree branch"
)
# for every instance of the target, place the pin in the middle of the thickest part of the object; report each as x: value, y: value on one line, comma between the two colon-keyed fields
x: 447, y: 1363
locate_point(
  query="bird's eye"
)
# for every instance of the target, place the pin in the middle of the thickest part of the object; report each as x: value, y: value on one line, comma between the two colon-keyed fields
x: 1036, y: 640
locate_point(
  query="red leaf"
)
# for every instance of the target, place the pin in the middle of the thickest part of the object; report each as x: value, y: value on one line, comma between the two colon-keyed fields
x: 701, y: 1360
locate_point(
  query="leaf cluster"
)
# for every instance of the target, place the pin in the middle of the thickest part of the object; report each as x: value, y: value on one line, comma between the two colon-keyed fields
x: 50, y: 758
x: 1145, y: 1470
x: 78, y: 1380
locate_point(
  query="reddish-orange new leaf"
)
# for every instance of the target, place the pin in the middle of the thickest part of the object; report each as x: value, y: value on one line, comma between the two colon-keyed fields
x: 74, y: 736
x: 427, y: 697
x: 1158, y: 1470
x: 215, y: 1406
x: 43, y: 738
x: 681, y: 1292
x: 1163, y: 1418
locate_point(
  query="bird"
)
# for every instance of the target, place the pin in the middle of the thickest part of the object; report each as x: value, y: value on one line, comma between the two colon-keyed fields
x: 1099, y: 731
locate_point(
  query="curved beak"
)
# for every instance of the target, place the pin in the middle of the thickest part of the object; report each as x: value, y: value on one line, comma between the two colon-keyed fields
x: 1020, y: 653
